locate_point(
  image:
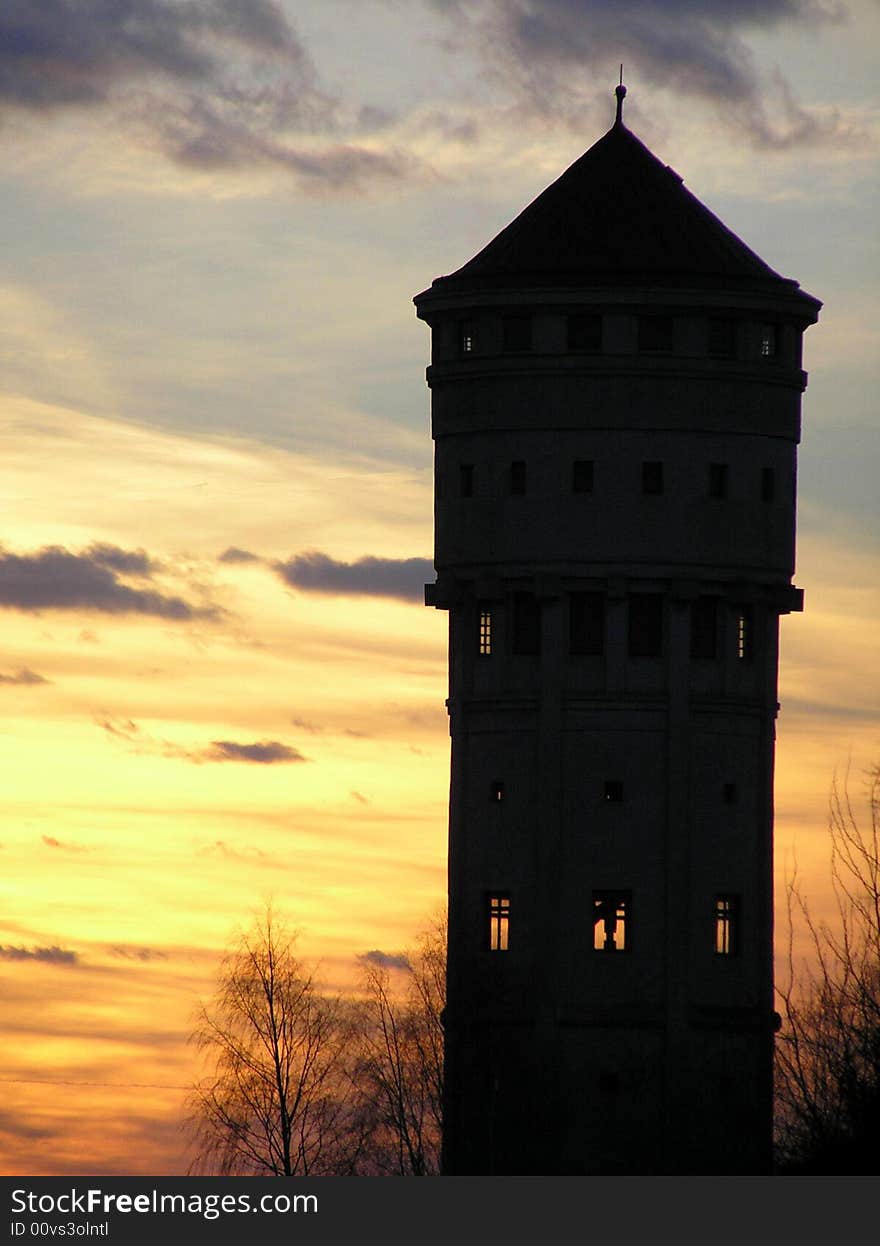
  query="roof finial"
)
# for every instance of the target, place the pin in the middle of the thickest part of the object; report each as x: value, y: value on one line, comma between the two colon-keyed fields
x: 620, y: 92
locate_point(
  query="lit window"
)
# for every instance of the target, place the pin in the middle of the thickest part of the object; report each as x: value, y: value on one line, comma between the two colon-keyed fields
x: 611, y: 921
x: 655, y: 333
x: 768, y: 484
x: 585, y: 332
x: 518, y: 477
x: 516, y: 333
x: 768, y: 341
x: 526, y: 624
x: 466, y: 480
x: 582, y: 476
x: 645, y: 625
x: 496, y: 791
x: 499, y: 923
x: 726, y: 922
x: 704, y: 627
x: 652, y: 477
x: 745, y: 633
x: 586, y: 623
x: 484, y: 635
x: 613, y: 791
x: 717, y: 480
x: 467, y: 337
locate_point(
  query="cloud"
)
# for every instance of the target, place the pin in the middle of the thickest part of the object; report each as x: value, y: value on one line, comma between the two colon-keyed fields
x: 51, y: 842
x: 53, y: 578
x: 553, y: 52
x: 24, y: 678
x: 263, y: 752
x: 385, y: 960
x: 211, y: 84
x: 124, y: 952
x: 45, y: 955
x: 236, y: 555
x: 401, y: 578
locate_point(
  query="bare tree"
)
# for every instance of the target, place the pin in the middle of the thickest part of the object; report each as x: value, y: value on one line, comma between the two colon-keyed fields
x: 400, y: 1070
x: 277, y: 1101
x: 828, y: 1051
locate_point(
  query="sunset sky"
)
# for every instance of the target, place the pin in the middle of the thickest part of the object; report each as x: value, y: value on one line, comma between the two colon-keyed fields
x: 214, y: 218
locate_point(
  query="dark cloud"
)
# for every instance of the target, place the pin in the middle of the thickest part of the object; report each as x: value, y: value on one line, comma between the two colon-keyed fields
x: 234, y: 555
x: 260, y: 752
x: 263, y: 752
x: 557, y: 53
x: 385, y: 960
x: 123, y: 952
x: 126, y: 561
x: 45, y: 955
x: 400, y: 578
x: 24, y: 678
x: 212, y: 84
x: 53, y: 578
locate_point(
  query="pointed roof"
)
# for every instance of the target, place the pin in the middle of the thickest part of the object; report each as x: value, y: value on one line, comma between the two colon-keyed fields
x: 617, y: 216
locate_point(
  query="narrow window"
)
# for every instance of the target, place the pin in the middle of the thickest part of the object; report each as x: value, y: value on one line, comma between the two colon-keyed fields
x: 516, y: 333
x: 745, y: 637
x: 613, y: 791
x: 582, y: 476
x: 768, y: 484
x: 611, y: 921
x: 466, y: 480
x: 467, y: 337
x: 499, y: 922
x: 726, y: 925
x: 768, y: 341
x: 652, y: 477
x: 728, y: 792
x: 484, y: 633
x: 518, y: 477
x: 584, y: 332
x: 645, y: 625
x: 655, y: 333
x: 718, y: 480
x: 722, y: 338
x: 526, y: 624
x: 704, y: 627
x: 496, y: 792
x: 586, y: 624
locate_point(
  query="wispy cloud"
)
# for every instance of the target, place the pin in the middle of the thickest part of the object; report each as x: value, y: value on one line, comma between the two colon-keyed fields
x: 257, y: 752
x: 125, y: 952
x: 212, y: 84
x: 43, y: 955
x: 236, y: 555
x: 24, y: 678
x: 400, y: 578
x: 385, y: 960
x: 53, y: 578
x: 64, y: 845
x: 551, y: 53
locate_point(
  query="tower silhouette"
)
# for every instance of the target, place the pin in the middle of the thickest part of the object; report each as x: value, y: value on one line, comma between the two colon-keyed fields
x: 616, y: 385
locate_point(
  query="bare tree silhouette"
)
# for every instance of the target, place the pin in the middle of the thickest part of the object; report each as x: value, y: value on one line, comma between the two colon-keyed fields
x: 399, y: 1072
x: 828, y: 1051
x: 277, y: 1101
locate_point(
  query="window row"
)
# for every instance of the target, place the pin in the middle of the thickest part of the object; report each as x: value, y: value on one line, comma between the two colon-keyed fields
x: 644, y: 626
x: 612, y: 922
x: 612, y: 792
x: 586, y: 333
x: 651, y: 478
